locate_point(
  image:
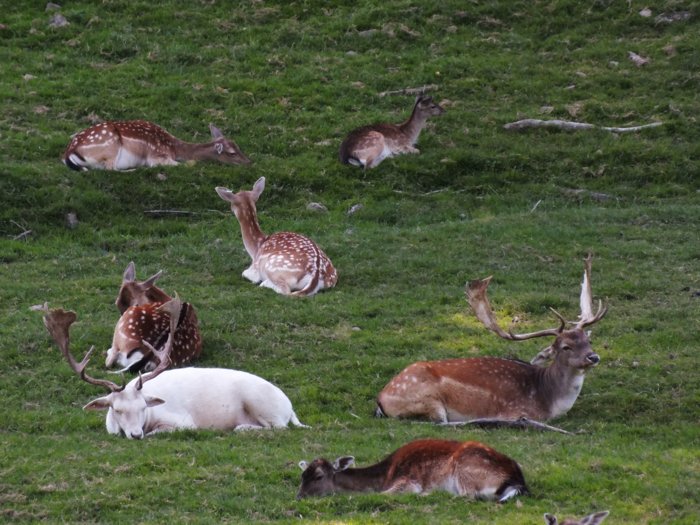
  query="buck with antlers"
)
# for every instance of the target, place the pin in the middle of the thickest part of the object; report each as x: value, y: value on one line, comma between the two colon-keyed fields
x: 369, y: 145
x: 469, y: 469
x: 591, y: 519
x: 126, y: 145
x: 185, y: 398
x: 146, y: 317
x: 499, y: 390
x: 289, y: 263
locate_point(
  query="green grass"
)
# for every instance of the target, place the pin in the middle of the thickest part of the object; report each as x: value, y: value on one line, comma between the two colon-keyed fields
x: 287, y: 80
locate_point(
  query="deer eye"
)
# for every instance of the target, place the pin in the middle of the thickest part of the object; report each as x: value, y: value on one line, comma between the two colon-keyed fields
x: 566, y: 348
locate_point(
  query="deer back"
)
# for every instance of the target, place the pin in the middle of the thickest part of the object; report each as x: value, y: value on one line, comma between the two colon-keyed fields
x: 151, y: 324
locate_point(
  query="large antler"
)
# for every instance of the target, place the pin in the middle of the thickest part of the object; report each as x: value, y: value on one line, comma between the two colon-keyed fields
x: 587, y: 318
x: 58, y: 322
x: 172, y: 307
x: 476, y: 295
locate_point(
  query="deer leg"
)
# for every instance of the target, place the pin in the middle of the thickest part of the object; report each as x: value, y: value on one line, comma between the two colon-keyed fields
x: 252, y: 274
x: 278, y: 285
x: 404, y: 485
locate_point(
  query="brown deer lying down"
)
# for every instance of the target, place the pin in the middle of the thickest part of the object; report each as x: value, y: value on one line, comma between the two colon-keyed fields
x: 369, y: 145
x: 591, y: 519
x: 184, y: 398
x: 125, y: 145
x: 462, y: 390
x: 469, y: 469
x: 146, y: 317
x: 289, y: 263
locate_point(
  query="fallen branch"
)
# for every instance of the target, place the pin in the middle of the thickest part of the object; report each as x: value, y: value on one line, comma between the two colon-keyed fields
x: 165, y: 213
x: 571, y: 126
x: 23, y: 235
x: 409, y: 91
x: 523, y: 422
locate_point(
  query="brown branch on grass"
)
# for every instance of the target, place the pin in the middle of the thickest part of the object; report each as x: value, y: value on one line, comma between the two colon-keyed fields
x: 571, y: 126
x: 409, y: 91
x: 169, y: 213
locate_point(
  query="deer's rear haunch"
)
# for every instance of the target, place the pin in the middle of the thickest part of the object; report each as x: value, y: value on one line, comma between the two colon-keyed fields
x: 289, y: 263
x: 125, y: 145
x: 469, y: 469
x: 455, y: 390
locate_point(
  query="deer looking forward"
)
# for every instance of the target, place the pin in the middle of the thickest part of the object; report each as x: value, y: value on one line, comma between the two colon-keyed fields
x: 461, y: 390
x: 185, y: 398
x: 146, y: 316
x: 289, y: 263
x: 469, y: 469
x: 369, y: 145
x: 130, y: 144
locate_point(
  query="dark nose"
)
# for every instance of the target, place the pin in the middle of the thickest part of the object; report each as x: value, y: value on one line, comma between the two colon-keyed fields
x: 136, y: 436
x: 594, y: 359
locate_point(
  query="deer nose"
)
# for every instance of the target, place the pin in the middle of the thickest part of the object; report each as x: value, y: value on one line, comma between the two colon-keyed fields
x: 594, y: 359
x: 137, y: 436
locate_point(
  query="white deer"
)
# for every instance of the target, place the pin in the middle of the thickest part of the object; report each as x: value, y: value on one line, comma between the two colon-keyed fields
x: 369, y: 145
x: 185, y: 398
x: 130, y: 144
x: 289, y: 263
x: 469, y: 469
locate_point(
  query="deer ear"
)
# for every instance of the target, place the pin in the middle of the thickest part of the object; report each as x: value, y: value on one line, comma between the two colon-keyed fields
x: 343, y: 462
x: 130, y: 273
x: 225, y: 193
x: 215, y: 132
x: 152, y: 279
x: 595, y: 519
x: 101, y: 403
x: 543, y: 357
x: 303, y: 465
x: 549, y: 519
x: 153, y: 401
x: 258, y: 187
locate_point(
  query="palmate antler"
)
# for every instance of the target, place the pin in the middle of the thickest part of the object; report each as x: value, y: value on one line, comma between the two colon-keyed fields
x: 58, y: 322
x: 476, y: 295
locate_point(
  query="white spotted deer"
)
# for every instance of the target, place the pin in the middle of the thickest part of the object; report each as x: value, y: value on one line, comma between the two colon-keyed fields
x: 289, y: 263
x: 184, y: 398
x: 469, y: 469
x: 146, y: 316
x: 130, y: 144
x: 592, y: 519
x: 369, y: 145
x: 489, y: 390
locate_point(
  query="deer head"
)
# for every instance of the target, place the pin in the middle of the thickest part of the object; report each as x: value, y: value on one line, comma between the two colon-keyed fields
x: 138, y: 293
x: 591, y: 519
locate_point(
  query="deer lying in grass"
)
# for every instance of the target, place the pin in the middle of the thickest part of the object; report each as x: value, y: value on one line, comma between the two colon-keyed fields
x: 494, y: 390
x: 469, y: 469
x: 591, y: 519
x: 146, y: 317
x: 289, y: 263
x: 369, y: 145
x: 185, y: 398
x: 126, y: 145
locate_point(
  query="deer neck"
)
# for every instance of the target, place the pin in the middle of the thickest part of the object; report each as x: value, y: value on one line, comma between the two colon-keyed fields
x: 413, y: 126
x: 561, y: 386
x: 368, y: 479
x: 185, y: 151
x: 253, y: 237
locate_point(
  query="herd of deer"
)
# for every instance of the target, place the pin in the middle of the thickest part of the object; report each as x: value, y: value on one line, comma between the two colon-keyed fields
x: 155, y: 331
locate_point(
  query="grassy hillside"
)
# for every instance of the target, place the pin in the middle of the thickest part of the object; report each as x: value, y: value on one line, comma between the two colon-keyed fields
x: 287, y: 81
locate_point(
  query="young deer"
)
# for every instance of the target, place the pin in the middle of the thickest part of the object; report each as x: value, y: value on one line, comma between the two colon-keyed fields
x: 500, y: 390
x: 369, y: 145
x: 146, y: 316
x: 125, y: 145
x: 166, y: 400
x: 289, y: 263
x: 469, y: 469
x: 591, y: 519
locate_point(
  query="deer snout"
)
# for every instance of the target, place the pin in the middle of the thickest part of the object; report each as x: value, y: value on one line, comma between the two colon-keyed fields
x: 136, y: 435
x: 593, y: 359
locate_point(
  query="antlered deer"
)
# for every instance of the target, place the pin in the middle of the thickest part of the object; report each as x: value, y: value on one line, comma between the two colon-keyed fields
x: 460, y: 390
x: 591, y: 519
x: 146, y: 317
x: 185, y: 398
x: 289, y: 263
x: 466, y: 469
x: 369, y: 145
x: 125, y: 145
